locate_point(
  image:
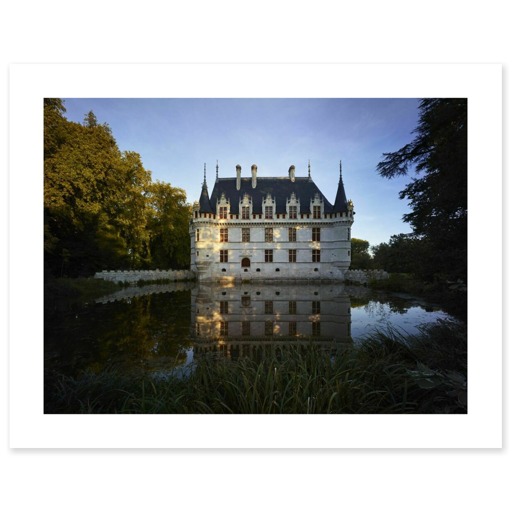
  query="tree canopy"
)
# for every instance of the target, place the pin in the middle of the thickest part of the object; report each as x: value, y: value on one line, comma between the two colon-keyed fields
x: 360, y: 256
x: 99, y: 203
x: 437, y: 193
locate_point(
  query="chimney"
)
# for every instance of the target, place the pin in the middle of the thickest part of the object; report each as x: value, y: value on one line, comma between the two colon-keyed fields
x: 291, y: 172
x: 254, y: 171
x: 238, y: 177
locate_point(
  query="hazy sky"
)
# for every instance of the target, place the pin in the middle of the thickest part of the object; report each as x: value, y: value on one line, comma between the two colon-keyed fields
x: 176, y: 137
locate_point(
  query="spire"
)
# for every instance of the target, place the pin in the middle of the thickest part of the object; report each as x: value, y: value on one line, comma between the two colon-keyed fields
x: 309, y: 170
x: 204, y: 200
x: 340, y: 203
x: 217, y: 172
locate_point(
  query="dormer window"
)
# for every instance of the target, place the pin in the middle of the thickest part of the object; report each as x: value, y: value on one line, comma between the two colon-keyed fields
x: 268, y: 207
x: 292, y: 206
x: 317, y: 206
x: 223, y: 207
x: 246, y: 207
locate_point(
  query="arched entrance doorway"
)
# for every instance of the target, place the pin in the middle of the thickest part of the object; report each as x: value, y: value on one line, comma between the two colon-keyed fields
x: 246, y: 262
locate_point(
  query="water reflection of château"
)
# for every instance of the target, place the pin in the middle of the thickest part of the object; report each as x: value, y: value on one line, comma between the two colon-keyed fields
x: 238, y: 319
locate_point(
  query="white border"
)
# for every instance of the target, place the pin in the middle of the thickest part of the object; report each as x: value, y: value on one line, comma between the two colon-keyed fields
x: 29, y: 427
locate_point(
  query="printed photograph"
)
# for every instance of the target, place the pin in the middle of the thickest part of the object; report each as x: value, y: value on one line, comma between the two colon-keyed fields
x: 255, y: 256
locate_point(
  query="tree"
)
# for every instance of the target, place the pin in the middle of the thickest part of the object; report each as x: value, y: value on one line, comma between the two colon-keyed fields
x: 403, y: 254
x: 438, y: 195
x: 101, y: 209
x: 360, y: 257
x: 168, y: 226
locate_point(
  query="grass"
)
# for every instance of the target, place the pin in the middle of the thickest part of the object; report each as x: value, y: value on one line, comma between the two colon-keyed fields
x: 387, y: 373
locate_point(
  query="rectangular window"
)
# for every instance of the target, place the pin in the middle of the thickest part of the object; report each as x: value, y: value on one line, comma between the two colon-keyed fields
x: 223, y: 256
x: 292, y: 234
x: 292, y: 307
x: 269, y: 212
x: 317, y: 212
x: 223, y: 234
x: 315, y: 307
x: 292, y: 212
x: 223, y: 307
x: 224, y: 328
x: 348, y: 233
x: 269, y: 234
x: 269, y: 328
x: 246, y: 328
x: 246, y: 301
x: 315, y: 328
x: 197, y: 235
x: 269, y: 307
x: 223, y: 212
x: 269, y: 255
x: 292, y: 328
x: 292, y: 256
x: 315, y: 255
x: 246, y: 210
x: 246, y: 234
x: 316, y: 235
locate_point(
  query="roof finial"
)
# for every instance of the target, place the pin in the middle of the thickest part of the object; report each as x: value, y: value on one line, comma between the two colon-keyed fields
x: 217, y: 171
x: 204, y: 182
x: 309, y: 169
x: 341, y: 179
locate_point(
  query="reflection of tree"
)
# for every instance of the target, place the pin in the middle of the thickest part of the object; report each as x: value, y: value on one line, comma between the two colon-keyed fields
x: 369, y: 302
x: 133, y: 333
x: 377, y: 310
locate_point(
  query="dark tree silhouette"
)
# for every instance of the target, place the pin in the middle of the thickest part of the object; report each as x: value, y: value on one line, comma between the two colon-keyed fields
x: 437, y: 194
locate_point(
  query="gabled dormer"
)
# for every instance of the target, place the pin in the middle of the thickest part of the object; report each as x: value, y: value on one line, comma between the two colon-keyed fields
x: 269, y: 207
x: 223, y: 207
x: 292, y: 207
x: 245, y: 207
x: 317, y: 206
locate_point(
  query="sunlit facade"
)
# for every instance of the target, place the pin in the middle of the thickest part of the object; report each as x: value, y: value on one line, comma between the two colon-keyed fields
x: 261, y: 228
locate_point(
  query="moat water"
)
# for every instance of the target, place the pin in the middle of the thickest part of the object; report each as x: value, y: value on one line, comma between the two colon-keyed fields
x: 162, y: 329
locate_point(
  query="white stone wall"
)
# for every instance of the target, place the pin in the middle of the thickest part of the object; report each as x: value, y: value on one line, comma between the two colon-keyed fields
x: 134, y: 276
x: 334, y: 249
x: 363, y: 276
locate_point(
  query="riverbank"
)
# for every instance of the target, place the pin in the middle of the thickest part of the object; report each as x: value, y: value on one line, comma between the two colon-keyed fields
x: 387, y: 373
x: 69, y: 290
x: 451, y: 296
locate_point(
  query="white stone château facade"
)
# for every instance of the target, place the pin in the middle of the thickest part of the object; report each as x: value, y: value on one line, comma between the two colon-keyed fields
x: 261, y: 228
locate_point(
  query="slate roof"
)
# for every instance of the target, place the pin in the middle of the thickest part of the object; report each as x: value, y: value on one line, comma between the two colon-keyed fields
x: 280, y: 189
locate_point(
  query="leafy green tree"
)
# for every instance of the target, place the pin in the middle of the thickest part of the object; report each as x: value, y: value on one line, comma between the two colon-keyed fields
x: 168, y: 226
x: 101, y: 209
x: 403, y: 254
x: 360, y: 255
x: 438, y: 195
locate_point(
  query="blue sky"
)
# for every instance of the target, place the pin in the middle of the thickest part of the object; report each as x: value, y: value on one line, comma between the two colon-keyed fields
x: 176, y: 137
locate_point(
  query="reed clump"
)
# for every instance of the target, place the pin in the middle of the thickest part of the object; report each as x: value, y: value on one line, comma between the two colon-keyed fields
x: 388, y: 373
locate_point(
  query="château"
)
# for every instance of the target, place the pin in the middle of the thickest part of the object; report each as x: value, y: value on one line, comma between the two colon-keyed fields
x: 265, y: 228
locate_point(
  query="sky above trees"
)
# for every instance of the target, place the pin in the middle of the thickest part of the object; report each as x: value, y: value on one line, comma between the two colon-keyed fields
x: 176, y: 137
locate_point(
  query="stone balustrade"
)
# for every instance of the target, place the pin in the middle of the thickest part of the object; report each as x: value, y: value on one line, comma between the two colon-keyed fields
x: 363, y: 276
x: 134, y: 276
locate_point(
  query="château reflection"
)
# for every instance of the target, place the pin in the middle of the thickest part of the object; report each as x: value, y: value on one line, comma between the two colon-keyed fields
x: 238, y: 319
